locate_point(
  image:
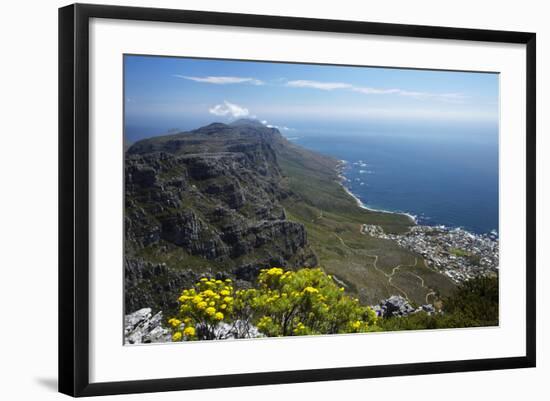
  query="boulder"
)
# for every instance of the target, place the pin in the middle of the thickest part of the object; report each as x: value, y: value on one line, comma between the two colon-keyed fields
x: 140, y: 327
x: 395, y: 305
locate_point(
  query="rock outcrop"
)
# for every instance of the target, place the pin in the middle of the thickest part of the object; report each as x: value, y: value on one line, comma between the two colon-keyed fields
x: 397, y: 306
x: 141, y: 327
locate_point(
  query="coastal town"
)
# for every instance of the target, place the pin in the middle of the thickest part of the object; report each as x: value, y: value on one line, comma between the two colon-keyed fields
x: 455, y: 252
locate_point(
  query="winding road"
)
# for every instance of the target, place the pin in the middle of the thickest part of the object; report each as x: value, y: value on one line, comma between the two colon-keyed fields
x: 374, y: 264
x: 389, y: 276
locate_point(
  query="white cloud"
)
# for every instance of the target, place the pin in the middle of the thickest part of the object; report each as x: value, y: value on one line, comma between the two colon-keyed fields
x: 229, y: 109
x: 222, y: 80
x: 279, y: 127
x: 318, y: 85
x: 449, y: 97
x: 329, y: 86
x: 375, y: 91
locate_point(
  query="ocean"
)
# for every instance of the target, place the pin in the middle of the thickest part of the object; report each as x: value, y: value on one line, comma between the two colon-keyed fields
x: 441, y: 181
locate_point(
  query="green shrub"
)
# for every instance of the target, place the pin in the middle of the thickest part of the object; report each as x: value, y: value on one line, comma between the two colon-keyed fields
x: 285, y: 303
x: 307, y: 302
x: 474, y: 304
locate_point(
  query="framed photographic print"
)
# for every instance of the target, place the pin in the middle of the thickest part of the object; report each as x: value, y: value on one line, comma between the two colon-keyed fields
x: 250, y: 199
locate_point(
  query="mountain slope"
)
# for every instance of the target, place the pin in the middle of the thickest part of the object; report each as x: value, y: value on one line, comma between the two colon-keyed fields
x: 229, y: 199
x: 207, y: 201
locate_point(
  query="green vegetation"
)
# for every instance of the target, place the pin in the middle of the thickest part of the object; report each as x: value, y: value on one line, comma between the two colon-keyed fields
x: 284, y: 303
x: 308, y: 302
x: 474, y: 259
x: 459, y: 252
x: 473, y: 304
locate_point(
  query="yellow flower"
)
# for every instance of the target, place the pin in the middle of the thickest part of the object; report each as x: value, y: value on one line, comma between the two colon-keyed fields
x: 227, y: 280
x: 201, y: 305
x: 174, y: 322
x: 189, y: 331
x: 300, y: 327
x: 275, y: 271
x: 212, y: 303
x: 210, y: 311
x: 264, y: 321
x: 177, y: 336
x: 356, y: 324
x: 197, y: 299
x: 223, y: 306
x: 204, y: 279
x: 228, y: 300
x: 311, y: 290
x: 224, y: 292
x: 218, y: 316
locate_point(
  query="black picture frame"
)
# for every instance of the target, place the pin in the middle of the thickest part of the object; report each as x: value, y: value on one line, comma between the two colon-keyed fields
x: 74, y: 198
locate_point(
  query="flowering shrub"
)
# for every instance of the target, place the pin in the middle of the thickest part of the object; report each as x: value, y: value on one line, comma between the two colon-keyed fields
x: 285, y: 303
x: 201, y: 309
x: 304, y: 302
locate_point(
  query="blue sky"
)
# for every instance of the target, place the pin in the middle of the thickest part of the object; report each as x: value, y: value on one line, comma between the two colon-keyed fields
x: 163, y: 93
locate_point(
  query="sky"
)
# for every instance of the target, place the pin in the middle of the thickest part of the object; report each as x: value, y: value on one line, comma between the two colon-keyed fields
x: 163, y: 94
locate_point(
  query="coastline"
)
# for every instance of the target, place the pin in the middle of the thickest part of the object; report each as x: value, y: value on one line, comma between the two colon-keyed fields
x: 342, y: 179
x: 481, y: 257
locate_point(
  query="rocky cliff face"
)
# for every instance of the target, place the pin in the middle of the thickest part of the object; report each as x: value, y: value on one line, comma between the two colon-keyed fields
x: 205, y: 202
